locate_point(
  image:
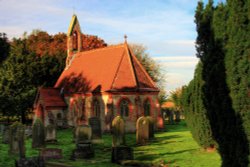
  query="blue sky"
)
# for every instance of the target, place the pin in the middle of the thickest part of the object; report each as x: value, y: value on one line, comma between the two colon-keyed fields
x: 165, y: 27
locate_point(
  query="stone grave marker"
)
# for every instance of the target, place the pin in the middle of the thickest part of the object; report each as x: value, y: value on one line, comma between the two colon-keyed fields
x: 17, y: 139
x: 84, y: 148
x: 142, y: 130
x: 51, y: 153
x: 50, y: 134
x: 28, y: 131
x: 38, y: 134
x: 118, y: 131
x: 6, y: 135
x: 120, y: 151
x: 151, y: 127
x: 83, y: 134
x: 95, y: 124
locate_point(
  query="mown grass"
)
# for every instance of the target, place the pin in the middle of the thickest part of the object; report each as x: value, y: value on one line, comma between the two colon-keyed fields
x: 175, y: 147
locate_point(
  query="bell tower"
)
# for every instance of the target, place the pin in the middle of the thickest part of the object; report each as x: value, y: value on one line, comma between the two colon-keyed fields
x: 74, y: 40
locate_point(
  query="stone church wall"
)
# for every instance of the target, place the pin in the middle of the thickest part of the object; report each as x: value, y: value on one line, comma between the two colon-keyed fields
x: 81, y: 108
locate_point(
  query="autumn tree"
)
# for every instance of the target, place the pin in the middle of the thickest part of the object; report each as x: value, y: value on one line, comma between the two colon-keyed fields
x: 35, y: 60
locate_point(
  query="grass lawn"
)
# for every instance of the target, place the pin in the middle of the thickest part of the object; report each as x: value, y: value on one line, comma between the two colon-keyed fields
x: 174, y: 147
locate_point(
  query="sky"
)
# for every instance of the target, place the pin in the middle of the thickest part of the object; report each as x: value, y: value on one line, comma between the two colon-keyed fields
x: 165, y: 27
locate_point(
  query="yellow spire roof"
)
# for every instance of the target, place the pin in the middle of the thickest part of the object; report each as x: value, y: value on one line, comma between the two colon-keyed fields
x: 73, y: 21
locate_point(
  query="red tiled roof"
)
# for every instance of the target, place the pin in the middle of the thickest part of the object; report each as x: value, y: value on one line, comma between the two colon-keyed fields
x: 50, y: 97
x: 168, y: 104
x: 112, y: 68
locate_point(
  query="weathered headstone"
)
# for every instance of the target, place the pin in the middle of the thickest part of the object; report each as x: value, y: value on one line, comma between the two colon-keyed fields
x: 28, y: 131
x: 84, y: 148
x: 83, y: 134
x: 120, y: 151
x: 151, y: 127
x: 6, y: 135
x: 50, y: 134
x: 38, y: 134
x: 118, y: 131
x: 17, y: 139
x: 51, y: 153
x: 142, y: 130
x: 95, y: 124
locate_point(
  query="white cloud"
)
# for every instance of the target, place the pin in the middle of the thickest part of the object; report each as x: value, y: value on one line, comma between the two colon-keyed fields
x: 179, y: 70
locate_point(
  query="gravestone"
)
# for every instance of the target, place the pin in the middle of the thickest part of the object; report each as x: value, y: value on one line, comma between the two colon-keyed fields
x: 17, y: 139
x: 6, y: 135
x: 151, y: 127
x: 38, y: 134
x: 28, y: 131
x: 84, y: 148
x: 83, y: 134
x: 51, y: 153
x: 120, y: 151
x: 50, y: 134
x: 142, y: 130
x: 118, y: 131
x: 95, y: 124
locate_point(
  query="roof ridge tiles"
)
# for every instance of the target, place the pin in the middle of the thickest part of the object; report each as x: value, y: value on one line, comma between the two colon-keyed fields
x: 100, y: 49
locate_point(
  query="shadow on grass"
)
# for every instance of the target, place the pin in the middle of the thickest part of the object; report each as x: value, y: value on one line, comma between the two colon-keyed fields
x: 180, y: 127
x: 144, y: 155
x: 161, y: 138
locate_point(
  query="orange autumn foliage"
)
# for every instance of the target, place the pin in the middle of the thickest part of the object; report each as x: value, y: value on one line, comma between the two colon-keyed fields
x: 42, y: 43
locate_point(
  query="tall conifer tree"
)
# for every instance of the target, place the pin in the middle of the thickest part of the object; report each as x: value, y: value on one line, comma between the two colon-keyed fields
x: 223, y: 46
x: 195, y: 111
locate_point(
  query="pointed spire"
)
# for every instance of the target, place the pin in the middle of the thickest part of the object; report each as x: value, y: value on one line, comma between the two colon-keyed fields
x: 125, y: 38
x: 73, y: 21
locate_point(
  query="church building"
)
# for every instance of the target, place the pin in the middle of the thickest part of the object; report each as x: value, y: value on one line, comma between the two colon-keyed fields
x: 101, y: 83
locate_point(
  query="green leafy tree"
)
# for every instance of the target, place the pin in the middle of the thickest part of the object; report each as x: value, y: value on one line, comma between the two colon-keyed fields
x: 176, y: 98
x: 21, y: 74
x: 34, y: 60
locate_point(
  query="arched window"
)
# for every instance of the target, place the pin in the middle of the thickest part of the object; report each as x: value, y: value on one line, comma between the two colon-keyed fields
x: 124, y: 108
x: 96, y: 109
x: 59, y: 116
x: 75, y: 41
x: 147, y: 108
